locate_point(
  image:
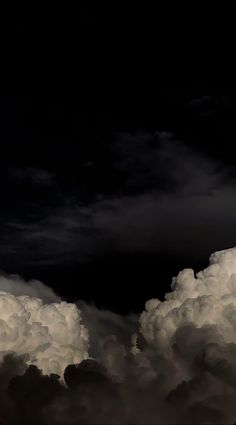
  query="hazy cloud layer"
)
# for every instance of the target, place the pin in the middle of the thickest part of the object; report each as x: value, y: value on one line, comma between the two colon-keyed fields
x: 169, y: 196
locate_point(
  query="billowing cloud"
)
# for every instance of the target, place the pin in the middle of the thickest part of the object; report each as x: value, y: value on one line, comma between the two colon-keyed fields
x: 175, y: 364
x: 207, y: 299
x: 33, y: 288
x: 47, y: 330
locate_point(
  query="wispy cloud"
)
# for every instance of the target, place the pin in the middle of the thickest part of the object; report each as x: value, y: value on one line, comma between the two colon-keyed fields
x: 38, y: 176
x: 188, y: 210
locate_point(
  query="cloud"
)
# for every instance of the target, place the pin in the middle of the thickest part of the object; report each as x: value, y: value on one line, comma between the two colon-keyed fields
x: 50, y: 334
x: 169, y: 195
x: 208, y: 106
x: 179, y: 368
x: 162, y: 163
x: 37, y: 176
x: 33, y: 288
x: 65, y: 235
x: 205, y: 300
x: 190, y: 196
x: 110, y: 336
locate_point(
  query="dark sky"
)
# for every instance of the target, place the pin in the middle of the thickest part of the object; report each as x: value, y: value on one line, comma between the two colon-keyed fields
x: 126, y: 174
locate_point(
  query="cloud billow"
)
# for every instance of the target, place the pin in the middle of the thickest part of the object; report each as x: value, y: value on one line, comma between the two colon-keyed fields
x: 173, y: 364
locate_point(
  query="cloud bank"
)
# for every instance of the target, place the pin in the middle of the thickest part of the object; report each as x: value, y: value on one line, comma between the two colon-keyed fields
x: 174, y: 364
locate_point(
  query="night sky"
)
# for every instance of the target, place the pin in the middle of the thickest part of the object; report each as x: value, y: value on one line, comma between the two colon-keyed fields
x: 118, y: 214
x: 126, y: 174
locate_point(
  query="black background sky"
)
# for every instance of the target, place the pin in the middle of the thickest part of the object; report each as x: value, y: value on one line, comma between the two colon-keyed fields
x: 121, y: 171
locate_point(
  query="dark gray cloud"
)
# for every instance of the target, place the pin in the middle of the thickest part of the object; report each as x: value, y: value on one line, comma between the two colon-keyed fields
x: 149, y: 391
x: 210, y: 105
x: 64, y: 235
x: 160, y: 162
x: 110, y: 336
x: 173, y: 199
x: 38, y: 176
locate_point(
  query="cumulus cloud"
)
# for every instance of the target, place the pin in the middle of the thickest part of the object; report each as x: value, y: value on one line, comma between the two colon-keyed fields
x: 33, y: 288
x: 45, y: 329
x: 52, y: 334
x: 207, y: 299
x: 194, y: 328
x: 175, y: 364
